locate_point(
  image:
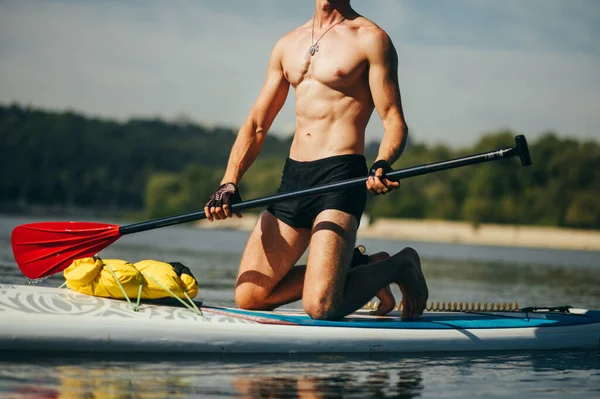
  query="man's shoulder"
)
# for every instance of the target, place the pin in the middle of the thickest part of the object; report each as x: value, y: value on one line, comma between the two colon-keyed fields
x: 369, y: 32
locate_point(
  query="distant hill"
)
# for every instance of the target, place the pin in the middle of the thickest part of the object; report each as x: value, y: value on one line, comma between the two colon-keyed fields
x: 66, y: 158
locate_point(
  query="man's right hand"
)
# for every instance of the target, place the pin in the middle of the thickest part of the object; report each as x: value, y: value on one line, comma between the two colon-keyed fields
x: 219, y: 204
x: 377, y: 183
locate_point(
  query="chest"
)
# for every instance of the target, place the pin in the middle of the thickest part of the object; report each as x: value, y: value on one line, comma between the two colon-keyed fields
x: 336, y: 63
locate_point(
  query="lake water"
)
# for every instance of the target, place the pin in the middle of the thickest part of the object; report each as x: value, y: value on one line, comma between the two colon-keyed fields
x: 456, y: 273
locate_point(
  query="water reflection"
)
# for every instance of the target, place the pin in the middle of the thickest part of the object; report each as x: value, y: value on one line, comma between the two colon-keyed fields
x: 119, y: 382
x: 231, y: 378
x: 255, y: 376
x: 401, y: 384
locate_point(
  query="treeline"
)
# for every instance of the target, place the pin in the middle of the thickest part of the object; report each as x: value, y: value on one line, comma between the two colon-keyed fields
x: 68, y: 160
x: 560, y: 188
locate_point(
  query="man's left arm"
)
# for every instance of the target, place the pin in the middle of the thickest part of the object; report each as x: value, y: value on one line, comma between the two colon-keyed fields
x: 385, y: 91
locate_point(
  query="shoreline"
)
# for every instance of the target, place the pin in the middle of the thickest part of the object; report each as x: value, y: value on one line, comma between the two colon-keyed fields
x: 443, y: 231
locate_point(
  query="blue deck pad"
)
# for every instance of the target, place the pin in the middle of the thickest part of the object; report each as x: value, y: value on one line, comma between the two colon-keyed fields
x: 430, y: 321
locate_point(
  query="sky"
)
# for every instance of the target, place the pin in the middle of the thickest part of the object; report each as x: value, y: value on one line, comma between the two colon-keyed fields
x: 466, y: 67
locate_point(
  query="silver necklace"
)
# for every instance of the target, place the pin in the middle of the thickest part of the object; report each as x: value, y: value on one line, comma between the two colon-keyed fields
x: 314, y: 47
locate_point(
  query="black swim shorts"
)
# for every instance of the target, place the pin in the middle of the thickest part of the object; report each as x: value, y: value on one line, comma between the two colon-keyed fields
x: 301, y: 213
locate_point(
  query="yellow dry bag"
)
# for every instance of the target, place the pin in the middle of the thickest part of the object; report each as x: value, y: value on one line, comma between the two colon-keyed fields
x: 113, y: 278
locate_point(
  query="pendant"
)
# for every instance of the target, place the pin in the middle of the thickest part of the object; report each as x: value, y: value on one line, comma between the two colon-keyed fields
x: 313, y: 49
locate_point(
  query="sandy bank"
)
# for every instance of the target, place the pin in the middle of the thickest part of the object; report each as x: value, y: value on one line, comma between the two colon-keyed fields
x: 455, y: 232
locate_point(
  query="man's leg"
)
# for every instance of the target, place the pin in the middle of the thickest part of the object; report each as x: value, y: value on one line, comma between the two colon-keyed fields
x: 387, y: 302
x: 260, y: 285
x: 330, y: 292
x: 271, y: 252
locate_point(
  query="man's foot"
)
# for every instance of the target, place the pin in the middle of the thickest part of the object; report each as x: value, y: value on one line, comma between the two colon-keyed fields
x: 412, y: 284
x: 387, y: 302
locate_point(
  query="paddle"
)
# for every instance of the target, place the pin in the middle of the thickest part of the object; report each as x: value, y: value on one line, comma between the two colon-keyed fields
x: 46, y: 248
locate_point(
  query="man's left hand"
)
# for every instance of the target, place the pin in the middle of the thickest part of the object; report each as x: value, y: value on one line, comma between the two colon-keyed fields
x: 377, y: 182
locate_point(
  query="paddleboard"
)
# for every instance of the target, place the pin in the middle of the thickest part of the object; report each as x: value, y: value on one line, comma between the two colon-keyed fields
x: 34, y: 318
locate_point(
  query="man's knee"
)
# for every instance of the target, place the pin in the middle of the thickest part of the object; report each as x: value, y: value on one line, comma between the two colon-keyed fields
x: 250, y: 298
x: 322, y: 307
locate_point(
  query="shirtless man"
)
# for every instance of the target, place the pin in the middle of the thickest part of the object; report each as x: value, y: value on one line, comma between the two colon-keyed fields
x: 342, y: 66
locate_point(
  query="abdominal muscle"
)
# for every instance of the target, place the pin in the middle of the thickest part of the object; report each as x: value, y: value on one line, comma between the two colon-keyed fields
x: 329, y: 121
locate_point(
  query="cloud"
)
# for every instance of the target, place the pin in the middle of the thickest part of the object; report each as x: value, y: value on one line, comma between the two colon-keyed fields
x: 463, y: 92
x: 466, y: 66
x: 533, y: 25
x: 119, y: 59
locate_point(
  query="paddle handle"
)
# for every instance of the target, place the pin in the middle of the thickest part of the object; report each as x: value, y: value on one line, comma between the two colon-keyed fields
x: 520, y: 150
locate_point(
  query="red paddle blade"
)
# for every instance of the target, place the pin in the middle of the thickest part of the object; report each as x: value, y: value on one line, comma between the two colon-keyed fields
x: 43, y: 249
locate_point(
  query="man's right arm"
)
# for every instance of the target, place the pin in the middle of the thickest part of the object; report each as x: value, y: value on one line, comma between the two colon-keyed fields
x: 251, y: 135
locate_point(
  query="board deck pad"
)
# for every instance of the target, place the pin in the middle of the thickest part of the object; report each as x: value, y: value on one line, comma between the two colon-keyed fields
x: 429, y: 321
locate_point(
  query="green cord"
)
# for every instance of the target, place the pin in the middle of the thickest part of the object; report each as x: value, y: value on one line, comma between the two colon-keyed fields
x: 192, y: 302
x: 137, y: 304
x: 135, y: 308
x: 193, y: 307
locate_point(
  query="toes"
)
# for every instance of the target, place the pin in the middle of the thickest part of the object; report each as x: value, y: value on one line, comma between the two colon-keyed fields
x: 419, y: 307
x: 412, y: 307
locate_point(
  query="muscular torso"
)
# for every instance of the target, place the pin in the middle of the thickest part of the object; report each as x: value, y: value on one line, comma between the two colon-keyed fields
x: 333, y: 100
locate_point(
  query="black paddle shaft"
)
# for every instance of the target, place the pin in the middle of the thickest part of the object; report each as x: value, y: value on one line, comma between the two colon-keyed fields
x: 520, y: 150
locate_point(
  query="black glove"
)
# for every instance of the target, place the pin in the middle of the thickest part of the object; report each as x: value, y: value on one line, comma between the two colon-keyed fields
x: 381, y: 164
x: 385, y: 166
x: 227, y: 194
